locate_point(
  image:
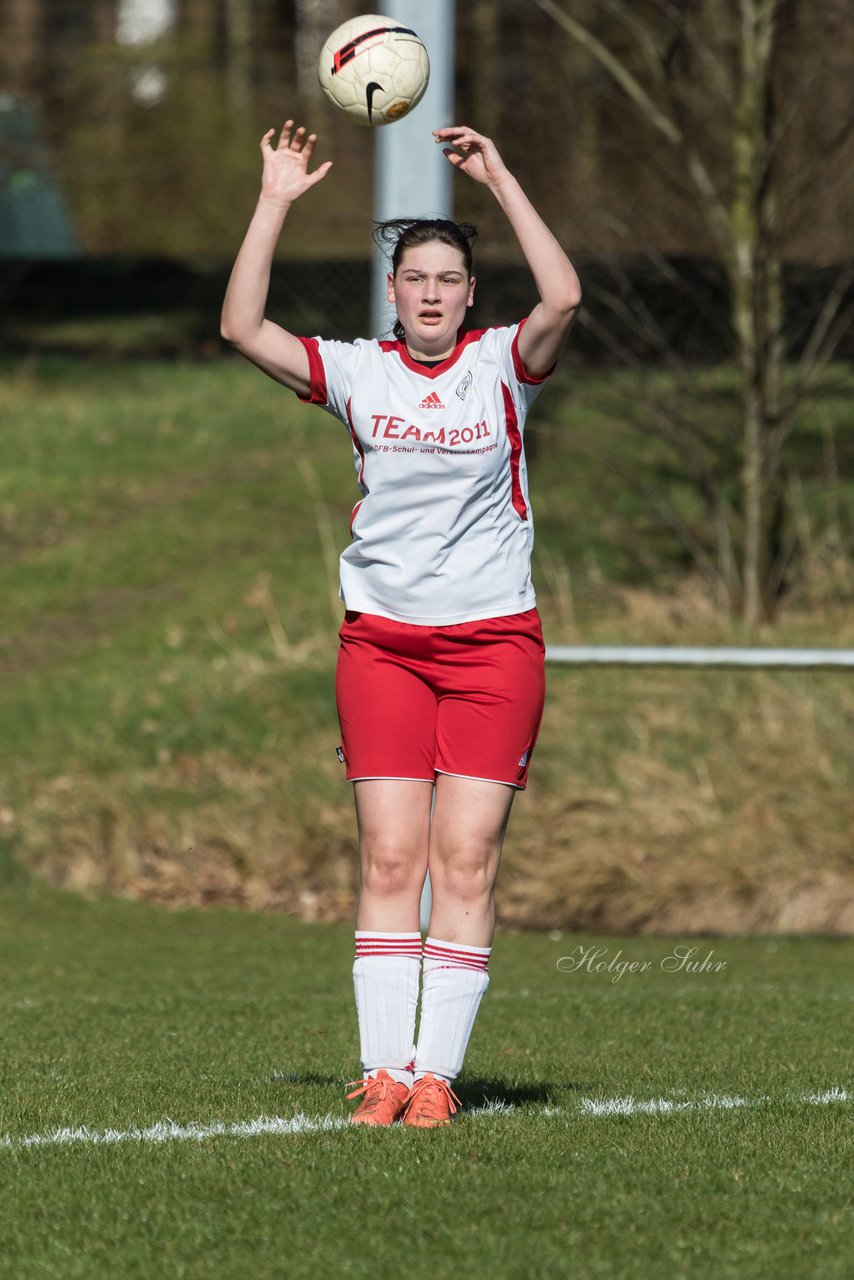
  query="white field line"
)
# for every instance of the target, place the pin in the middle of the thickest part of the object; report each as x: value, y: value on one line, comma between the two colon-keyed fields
x: 167, y: 1131
x: 709, y: 1102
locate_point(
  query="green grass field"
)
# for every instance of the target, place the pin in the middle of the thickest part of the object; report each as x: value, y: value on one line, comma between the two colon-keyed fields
x: 659, y: 1125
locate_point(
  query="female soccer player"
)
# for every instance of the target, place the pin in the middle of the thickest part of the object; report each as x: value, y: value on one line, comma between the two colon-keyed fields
x: 440, y: 680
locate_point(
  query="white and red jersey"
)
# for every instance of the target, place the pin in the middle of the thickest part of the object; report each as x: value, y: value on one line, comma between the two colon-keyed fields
x: 443, y: 532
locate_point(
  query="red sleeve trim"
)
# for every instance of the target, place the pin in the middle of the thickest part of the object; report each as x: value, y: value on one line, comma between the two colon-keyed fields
x: 518, y: 364
x: 318, y: 393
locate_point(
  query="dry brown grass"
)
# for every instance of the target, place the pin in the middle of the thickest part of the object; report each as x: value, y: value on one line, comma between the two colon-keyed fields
x: 691, y: 802
x: 657, y: 853
x: 671, y: 863
x: 257, y: 844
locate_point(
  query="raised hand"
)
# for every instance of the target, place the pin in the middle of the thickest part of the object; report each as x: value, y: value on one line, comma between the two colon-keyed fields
x: 285, y: 177
x: 472, y: 153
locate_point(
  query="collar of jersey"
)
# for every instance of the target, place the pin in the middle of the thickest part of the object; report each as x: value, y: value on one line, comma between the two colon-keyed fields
x: 426, y: 371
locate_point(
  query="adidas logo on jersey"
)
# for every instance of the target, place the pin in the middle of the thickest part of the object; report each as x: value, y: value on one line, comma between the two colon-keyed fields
x: 431, y: 402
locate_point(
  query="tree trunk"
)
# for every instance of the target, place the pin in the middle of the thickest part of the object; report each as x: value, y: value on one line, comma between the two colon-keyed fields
x: 756, y: 298
x: 485, y: 19
x: 20, y: 39
x: 238, y: 69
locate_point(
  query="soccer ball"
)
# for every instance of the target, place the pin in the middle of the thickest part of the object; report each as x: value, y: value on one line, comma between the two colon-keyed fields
x: 374, y: 68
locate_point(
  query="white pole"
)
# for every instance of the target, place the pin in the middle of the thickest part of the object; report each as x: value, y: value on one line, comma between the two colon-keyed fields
x: 630, y: 656
x: 412, y: 175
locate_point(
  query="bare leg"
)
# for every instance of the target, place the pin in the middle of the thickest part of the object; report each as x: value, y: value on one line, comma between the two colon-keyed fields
x: 467, y: 833
x: 394, y: 835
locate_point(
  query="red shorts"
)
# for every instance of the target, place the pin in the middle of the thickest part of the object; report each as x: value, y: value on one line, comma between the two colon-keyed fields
x: 415, y: 701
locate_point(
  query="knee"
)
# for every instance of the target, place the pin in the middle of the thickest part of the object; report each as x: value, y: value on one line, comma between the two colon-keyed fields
x: 388, y: 869
x: 465, y: 872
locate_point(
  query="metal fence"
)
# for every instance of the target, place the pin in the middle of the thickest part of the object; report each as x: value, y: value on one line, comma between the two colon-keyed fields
x: 648, y: 656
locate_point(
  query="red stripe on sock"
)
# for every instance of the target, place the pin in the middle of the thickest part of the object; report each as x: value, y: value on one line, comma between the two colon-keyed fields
x: 368, y: 951
x: 382, y: 946
x: 378, y: 945
x: 456, y: 957
x: 479, y: 953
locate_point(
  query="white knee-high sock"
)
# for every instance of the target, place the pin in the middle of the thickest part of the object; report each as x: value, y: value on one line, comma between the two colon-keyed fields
x: 455, y: 980
x: 386, y: 974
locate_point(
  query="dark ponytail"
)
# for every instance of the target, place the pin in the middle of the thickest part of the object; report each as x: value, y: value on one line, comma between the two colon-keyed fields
x: 401, y: 234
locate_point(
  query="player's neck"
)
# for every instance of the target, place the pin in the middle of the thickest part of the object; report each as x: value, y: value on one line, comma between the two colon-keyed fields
x: 427, y: 357
x: 427, y: 362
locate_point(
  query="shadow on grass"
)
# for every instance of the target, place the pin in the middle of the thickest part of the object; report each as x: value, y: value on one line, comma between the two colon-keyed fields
x: 473, y: 1093
x: 301, y: 1078
x: 492, y: 1093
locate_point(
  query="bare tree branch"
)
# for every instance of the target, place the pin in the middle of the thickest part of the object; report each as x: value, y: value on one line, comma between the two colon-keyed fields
x: 668, y: 514
x: 630, y: 85
x: 668, y: 271
x: 712, y: 207
x: 715, y: 66
x: 830, y: 326
x: 649, y: 44
x: 811, y: 175
x: 681, y: 436
x: 741, y: 63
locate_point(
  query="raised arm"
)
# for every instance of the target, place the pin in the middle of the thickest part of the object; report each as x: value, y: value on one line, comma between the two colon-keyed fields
x: 542, y: 339
x: 285, y: 178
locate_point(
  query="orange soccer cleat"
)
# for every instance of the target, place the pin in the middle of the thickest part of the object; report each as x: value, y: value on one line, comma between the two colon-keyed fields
x: 383, y: 1101
x: 432, y: 1103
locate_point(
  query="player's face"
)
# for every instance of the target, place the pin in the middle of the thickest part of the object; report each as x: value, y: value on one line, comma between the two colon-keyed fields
x: 431, y: 290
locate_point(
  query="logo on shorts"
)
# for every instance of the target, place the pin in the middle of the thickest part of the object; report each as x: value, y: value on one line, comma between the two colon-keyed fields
x: 523, y: 759
x: 432, y: 401
x: 463, y: 387
x: 340, y: 754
